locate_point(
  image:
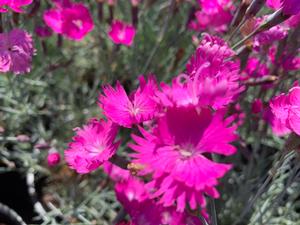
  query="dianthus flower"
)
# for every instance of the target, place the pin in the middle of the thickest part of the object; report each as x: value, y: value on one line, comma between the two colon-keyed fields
x: 72, y: 20
x: 92, y: 146
x: 211, y: 79
x: 286, y: 60
x: 15, y: 5
x: 115, y: 173
x: 176, y: 153
x: 290, y: 7
x: 286, y: 109
x: 16, y: 51
x: 142, y: 210
x: 53, y: 159
x: 255, y: 69
x: 214, y: 15
x: 126, y: 110
x: 121, y: 33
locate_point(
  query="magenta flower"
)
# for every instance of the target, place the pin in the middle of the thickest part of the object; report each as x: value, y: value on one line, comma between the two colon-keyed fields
x: 121, y: 33
x: 287, y: 61
x: 43, y: 31
x: 214, y: 15
x: 274, y: 4
x: 16, y: 51
x: 72, y: 20
x: 256, y: 106
x: 53, y: 159
x: 212, y: 79
x: 175, y: 153
x: 275, y: 33
x: 127, y: 110
x: 255, y: 69
x: 290, y: 7
x: 15, y: 5
x: 134, y: 197
x: 116, y: 173
x: 286, y: 109
x: 92, y: 146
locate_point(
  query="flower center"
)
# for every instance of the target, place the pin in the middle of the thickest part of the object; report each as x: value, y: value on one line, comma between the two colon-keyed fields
x: 78, y: 23
x: 186, y: 150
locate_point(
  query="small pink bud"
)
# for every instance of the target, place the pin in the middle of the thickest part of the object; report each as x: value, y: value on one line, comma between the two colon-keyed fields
x: 135, y: 2
x: 23, y: 138
x: 53, y: 159
x: 256, y: 106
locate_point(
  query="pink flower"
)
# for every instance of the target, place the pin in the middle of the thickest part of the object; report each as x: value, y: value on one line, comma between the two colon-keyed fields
x: 286, y: 109
x: 175, y: 153
x: 255, y: 69
x: 126, y: 110
x: 211, y: 78
x: 43, y: 31
x: 290, y: 7
x: 274, y: 4
x: 293, y: 21
x: 275, y: 33
x: 73, y: 20
x: 53, y: 159
x: 214, y: 15
x: 16, y: 51
x: 256, y: 106
x: 15, y: 5
x: 116, y: 173
x: 287, y: 61
x: 134, y: 197
x: 121, y: 33
x: 92, y: 146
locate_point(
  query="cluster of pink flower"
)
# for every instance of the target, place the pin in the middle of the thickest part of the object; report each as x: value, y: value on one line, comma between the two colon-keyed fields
x: 178, y: 125
x: 72, y: 20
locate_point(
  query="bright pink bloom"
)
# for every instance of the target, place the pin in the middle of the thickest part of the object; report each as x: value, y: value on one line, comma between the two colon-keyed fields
x: 127, y: 110
x: 211, y: 78
x: 92, y: 146
x: 286, y: 109
x: 214, y: 15
x: 256, y: 106
x: 290, y: 7
x: 53, y: 158
x: 275, y: 33
x: 134, y: 197
x: 287, y: 61
x: 73, y: 20
x: 255, y: 69
x: 43, y: 31
x: 175, y: 154
x: 15, y: 5
x: 116, y: 173
x: 274, y: 4
x: 121, y: 33
x: 16, y: 51
x: 293, y: 21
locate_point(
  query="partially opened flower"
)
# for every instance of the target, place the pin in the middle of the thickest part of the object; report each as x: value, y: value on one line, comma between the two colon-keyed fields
x: 92, y: 146
x: 177, y: 151
x: 121, y: 33
x: 15, y: 5
x: 16, y: 51
x: 126, y: 110
x: 53, y: 159
x: 72, y: 20
x: 142, y: 210
x: 286, y: 109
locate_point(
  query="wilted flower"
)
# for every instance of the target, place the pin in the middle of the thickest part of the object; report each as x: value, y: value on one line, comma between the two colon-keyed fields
x: 72, y: 20
x: 53, y: 158
x: 16, y: 51
x: 121, y: 33
x: 127, y: 110
x: 92, y: 146
x: 15, y: 5
x: 286, y: 109
x: 176, y: 153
